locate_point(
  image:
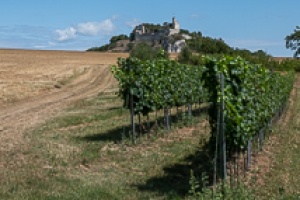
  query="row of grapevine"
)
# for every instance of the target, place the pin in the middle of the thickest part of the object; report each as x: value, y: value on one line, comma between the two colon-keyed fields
x: 158, y: 84
x: 252, y: 94
x: 243, y: 97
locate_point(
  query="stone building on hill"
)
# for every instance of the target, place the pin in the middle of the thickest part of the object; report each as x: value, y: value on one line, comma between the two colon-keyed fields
x: 166, y: 36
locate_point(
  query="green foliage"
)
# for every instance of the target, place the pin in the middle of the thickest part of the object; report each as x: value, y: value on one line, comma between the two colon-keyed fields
x: 284, y: 65
x: 207, y: 45
x: 221, y: 191
x: 293, y: 41
x: 286, y: 158
x: 130, y: 46
x: 152, y: 27
x: 252, y: 94
x: 111, y: 45
x: 159, y: 83
x: 117, y: 38
x: 211, y: 46
x: 144, y: 51
x: 257, y: 57
x: 184, y: 31
x: 105, y: 47
x: 195, y: 43
x: 290, y: 65
x: 214, y: 46
x: 185, y: 56
x: 260, y: 57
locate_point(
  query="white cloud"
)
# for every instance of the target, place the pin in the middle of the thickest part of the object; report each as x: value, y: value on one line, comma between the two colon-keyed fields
x: 40, y: 46
x: 66, y: 38
x: 95, y: 28
x: 66, y: 34
x: 105, y: 27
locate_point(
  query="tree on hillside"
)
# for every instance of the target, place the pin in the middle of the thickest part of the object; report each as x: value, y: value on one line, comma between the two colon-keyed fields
x: 115, y: 39
x: 293, y: 41
x: 195, y: 42
x: 112, y: 43
x: 207, y: 45
x: 185, y: 56
x: 144, y: 51
x: 214, y: 46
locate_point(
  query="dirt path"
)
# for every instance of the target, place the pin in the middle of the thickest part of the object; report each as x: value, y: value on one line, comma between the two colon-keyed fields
x: 28, y: 113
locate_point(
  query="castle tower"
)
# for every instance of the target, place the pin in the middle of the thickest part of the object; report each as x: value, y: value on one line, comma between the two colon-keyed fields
x: 175, y: 24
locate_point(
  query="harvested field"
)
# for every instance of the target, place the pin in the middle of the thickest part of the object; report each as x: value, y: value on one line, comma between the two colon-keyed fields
x: 25, y: 73
x: 35, y: 85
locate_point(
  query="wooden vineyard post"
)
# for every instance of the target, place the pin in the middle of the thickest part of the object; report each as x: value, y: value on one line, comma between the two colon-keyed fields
x: 222, y: 133
x: 261, y: 137
x: 249, y: 154
x: 148, y: 123
x: 167, y: 119
x: 189, y: 110
x: 132, y: 119
x: 220, y: 151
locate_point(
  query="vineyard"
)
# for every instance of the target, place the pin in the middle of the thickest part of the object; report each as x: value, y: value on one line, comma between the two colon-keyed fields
x: 251, y: 93
x: 158, y: 84
x: 245, y: 99
x: 216, y: 120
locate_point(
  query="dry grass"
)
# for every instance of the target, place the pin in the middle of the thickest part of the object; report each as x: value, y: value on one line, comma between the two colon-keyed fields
x: 25, y: 73
x: 36, y: 85
x: 81, y: 153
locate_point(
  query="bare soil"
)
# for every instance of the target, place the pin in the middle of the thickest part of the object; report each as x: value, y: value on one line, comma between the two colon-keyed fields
x: 36, y: 85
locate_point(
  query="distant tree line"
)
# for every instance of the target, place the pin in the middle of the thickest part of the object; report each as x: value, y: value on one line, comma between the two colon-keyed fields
x: 198, y: 44
x: 112, y: 43
x: 205, y: 45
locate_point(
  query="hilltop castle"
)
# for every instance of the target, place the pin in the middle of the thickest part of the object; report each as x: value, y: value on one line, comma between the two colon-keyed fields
x: 166, y: 36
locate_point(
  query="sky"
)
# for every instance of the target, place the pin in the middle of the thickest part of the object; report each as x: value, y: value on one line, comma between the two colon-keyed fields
x: 81, y: 24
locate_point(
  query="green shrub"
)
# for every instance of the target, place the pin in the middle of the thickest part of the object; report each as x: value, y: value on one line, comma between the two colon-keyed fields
x: 220, y: 191
x: 144, y: 51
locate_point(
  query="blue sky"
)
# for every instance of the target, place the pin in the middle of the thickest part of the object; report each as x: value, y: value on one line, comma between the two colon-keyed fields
x: 81, y: 24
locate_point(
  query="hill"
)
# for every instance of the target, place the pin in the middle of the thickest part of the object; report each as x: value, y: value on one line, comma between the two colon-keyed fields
x: 173, y: 39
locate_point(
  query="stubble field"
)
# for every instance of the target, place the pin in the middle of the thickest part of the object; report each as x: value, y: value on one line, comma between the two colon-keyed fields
x: 25, y: 73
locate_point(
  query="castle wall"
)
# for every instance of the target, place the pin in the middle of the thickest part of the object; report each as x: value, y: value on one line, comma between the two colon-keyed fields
x: 174, y: 31
x: 148, y: 37
x: 160, y: 37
